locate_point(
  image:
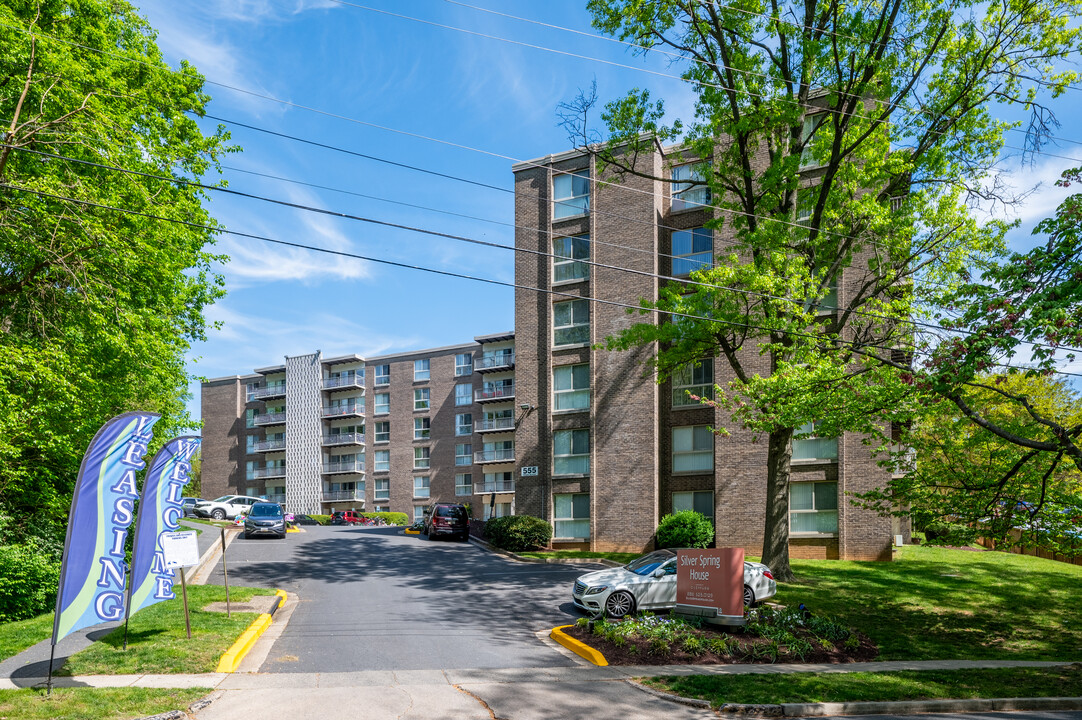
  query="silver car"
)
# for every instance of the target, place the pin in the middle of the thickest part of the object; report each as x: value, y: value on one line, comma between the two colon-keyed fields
x: 649, y: 583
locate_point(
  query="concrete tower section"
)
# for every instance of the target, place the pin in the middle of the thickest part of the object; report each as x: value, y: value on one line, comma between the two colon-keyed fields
x: 303, y: 434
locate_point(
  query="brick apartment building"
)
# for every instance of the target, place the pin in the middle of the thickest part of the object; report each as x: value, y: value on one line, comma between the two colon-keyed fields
x: 538, y: 421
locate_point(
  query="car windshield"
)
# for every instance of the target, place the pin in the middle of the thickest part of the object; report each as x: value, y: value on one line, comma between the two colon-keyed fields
x: 648, y: 563
x: 266, y: 511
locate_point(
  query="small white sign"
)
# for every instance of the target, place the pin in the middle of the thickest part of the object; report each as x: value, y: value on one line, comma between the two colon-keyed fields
x: 529, y: 471
x: 180, y: 549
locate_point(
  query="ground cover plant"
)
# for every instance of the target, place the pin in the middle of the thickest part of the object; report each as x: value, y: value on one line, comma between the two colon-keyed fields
x: 1060, y: 681
x: 94, y: 703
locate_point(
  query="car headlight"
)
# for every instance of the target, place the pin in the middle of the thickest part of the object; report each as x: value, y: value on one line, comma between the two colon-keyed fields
x: 596, y: 589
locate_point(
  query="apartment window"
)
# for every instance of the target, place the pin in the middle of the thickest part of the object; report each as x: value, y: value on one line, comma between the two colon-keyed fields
x: 812, y: 123
x: 813, y: 447
x: 463, y: 394
x: 701, y: 502
x: 495, y: 482
x: 499, y: 450
x: 571, y: 387
x: 571, y: 452
x: 692, y: 250
x: 463, y: 484
x: 813, y: 508
x: 249, y: 444
x: 569, y: 254
x: 421, y: 487
x: 420, y: 370
x: 693, y: 379
x: 421, y: 459
x: 463, y: 364
x: 464, y: 424
x: 571, y: 515
x: 495, y: 510
x: 805, y: 204
x: 571, y: 194
x: 422, y: 428
x: 420, y: 398
x: 692, y: 449
x: 571, y: 322
x: 382, y: 490
x: 383, y: 432
x: 463, y: 453
x: 249, y: 417
x: 382, y: 462
x: 418, y: 513
x: 383, y: 375
x: 685, y: 193
x: 383, y: 403
x: 381, y: 508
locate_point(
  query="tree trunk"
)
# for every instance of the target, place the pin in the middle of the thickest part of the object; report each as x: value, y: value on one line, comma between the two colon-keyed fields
x: 776, y: 530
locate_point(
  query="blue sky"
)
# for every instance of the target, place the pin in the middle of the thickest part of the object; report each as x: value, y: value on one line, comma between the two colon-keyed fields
x: 468, y: 90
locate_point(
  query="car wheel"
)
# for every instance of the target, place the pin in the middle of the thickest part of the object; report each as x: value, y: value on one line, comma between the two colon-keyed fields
x: 218, y: 514
x: 619, y: 604
x: 749, y: 597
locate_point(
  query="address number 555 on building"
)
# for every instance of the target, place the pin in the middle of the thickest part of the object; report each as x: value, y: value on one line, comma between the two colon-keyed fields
x: 529, y: 471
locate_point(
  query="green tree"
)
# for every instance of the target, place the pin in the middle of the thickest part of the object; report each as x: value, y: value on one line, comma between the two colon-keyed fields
x: 843, y: 147
x: 97, y: 306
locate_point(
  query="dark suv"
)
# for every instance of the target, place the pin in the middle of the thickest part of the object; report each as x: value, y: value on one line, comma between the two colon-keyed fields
x: 346, y: 517
x: 448, y: 519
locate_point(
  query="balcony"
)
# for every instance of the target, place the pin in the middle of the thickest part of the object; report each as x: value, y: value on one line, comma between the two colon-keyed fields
x: 345, y: 466
x: 277, y: 471
x: 344, y: 439
x: 269, y: 446
x: 276, y: 498
x: 274, y: 418
x: 481, y: 457
x: 495, y: 393
x: 496, y: 486
x: 495, y: 362
x: 343, y: 411
x: 353, y: 381
x: 266, y: 393
x: 356, y: 495
x: 499, y: 424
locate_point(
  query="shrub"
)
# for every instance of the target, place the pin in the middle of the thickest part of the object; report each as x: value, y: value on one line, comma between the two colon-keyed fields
x: 518, y: 533
x: 684, y: 529
x: 944, y: 533
x: 321, y: 519
x: 391, y: 518
x: 28, y: 582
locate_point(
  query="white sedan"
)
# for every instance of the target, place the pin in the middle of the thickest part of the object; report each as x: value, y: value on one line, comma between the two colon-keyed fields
x: 649, y: 583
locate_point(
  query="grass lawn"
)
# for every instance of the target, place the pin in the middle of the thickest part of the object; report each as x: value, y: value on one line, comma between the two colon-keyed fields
x: 19, y: 635
x: 936, y: 603
x: 94, y: 703
x: 565, y: 554
x: 1065, y: 681
x: 157, y: 642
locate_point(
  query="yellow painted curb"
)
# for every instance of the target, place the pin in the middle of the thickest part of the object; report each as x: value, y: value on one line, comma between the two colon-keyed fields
x: 294, y: 529
x: 577, y: 647
x: 412, y: 532
x: 282, y: 597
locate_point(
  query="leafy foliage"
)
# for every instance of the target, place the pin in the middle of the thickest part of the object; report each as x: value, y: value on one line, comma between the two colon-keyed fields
x: 391, y: 518
x: 684, y: 529
x: 518, y: 532
x: 28, y: 582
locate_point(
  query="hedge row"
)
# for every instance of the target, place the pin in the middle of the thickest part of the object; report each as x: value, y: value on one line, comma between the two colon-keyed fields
x: 28, y: 582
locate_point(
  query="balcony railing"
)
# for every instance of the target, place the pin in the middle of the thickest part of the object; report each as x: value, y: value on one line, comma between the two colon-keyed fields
x: 344, y: 439
x: 267, y: 472
x: 343, y: 382
x: 494, y: 362
x: 271, y: 391
x: 276, y: 498
x: 499, y: 424
x: 340, y: 495
x: 270, y: 446
x: 345, y: 466
x: 497, y: 455
x: 274, y: 418
x: 343, y: 411
x: 496, y: 486
x: 494, y: 392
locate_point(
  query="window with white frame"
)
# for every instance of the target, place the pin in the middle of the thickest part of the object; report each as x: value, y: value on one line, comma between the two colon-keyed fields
x: 568, y: 256
x: 693, y: 379
x: 382, y: 461
x: 571, y: 322
x: 692, y: 250
x: 463, y: 364
x: 805, y: 204
x: 499, y: 450
x: 812, y: 125
x: 497, y: 482
x: 381, y: 508
x: 421, y: 459
x: 422, y: 428
x: 571, y: 387
x: 463, y: 484
x: 701, y: 502
x: 383, y: 432
x: 383, y: 403
x: 812, y: 446
x: 421, y: 487
x: 692, y: 449
x: 571, y: 515
x: 495, y: 510
x: 382, y: 489
x: 383, y: 375
x: 463, y: 394
x: 570, y: 194
x: 571, y: 452
x: 687, y: 192
x: 420, y: 399
x: 813, y: 508
x: 420, y: 370
x: 418, y: 513
x: 249, y: 417
x: 464, y: 424
x: 463, y: 454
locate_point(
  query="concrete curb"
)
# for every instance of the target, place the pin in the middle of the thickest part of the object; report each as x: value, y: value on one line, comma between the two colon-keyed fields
x: 232, y: 657
x: 541, y: 561
x: 691, y: 702
x: 580, y: 649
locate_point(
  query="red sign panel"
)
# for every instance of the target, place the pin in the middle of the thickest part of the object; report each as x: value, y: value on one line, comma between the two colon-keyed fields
x: 711, y: 579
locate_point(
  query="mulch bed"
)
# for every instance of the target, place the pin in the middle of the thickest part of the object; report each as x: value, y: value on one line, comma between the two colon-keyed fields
x: 642, y: 654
